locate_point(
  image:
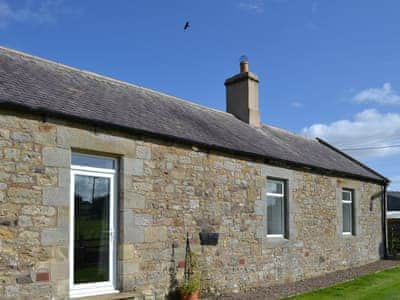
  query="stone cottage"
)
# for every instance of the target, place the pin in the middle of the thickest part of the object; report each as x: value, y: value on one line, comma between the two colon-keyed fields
x: 100, y: 180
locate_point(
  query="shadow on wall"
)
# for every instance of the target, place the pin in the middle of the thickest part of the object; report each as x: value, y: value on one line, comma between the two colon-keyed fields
x: 376, y: 196
x: 173, y: 281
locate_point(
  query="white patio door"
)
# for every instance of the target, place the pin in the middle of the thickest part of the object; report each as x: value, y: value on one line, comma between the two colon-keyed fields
x: 92, y: 235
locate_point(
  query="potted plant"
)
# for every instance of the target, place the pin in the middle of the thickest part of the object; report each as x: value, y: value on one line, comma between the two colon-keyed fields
x: 190, y: 288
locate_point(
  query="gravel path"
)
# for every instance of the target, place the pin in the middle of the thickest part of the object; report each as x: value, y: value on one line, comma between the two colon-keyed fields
x: 299, y: 287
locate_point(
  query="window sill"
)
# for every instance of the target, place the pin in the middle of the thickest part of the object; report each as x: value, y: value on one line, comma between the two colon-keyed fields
x: 347, y: 234
x: 275, y: 241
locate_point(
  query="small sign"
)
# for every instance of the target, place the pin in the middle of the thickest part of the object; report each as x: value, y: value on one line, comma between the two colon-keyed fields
x: 208, y: 238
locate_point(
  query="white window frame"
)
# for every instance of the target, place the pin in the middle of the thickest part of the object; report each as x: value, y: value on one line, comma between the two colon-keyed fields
x: 281, y: 195
x: 96, y: 288
x: 351, y: 193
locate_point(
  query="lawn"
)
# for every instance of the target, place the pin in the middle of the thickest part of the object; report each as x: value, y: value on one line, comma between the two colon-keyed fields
x: 382, y: 285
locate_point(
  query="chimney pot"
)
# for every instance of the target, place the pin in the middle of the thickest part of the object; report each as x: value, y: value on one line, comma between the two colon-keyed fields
x: 244, y: 64
x: 244, y: 67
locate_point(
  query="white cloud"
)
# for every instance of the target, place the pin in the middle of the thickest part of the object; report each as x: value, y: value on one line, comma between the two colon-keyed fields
x: 384, y: 95
x: 367, y: 129
x: 314, y: 7
x: 5, y: 13
x: 394, y: 183
x: 256, y: 6
x: 296, y: 104
x: 42, y: 11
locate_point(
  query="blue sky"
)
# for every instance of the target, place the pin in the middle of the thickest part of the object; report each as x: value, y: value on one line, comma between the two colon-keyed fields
x: 326, y: 68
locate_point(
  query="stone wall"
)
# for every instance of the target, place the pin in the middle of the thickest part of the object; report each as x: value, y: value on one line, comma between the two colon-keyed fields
x: 167, y: 190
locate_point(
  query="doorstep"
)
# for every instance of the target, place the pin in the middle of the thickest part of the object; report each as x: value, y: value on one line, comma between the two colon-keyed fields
x: 119, y: 296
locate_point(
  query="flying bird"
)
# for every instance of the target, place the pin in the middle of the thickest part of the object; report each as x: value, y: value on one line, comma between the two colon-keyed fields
x: 187, y: 25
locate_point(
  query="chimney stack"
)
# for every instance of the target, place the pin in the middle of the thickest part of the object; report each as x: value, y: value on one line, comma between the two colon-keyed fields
x: 242, y: 95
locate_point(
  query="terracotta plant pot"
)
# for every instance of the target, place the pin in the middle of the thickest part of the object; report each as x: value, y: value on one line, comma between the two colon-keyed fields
x: 191, y: 296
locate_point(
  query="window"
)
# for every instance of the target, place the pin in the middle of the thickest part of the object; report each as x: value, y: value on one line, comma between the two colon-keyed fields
x: 348, y: 211
x: 276, y: 208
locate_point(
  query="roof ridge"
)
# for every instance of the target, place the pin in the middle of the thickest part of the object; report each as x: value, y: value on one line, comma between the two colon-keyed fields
x: 109, y: 79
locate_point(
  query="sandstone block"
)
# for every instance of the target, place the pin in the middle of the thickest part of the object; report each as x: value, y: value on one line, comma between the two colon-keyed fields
x: 194, y: 204
x: 6, y: 233
x: 134, y: 200
x: 63, y: 217
x: 129, y: 267
x: 24, y: 279
x: 259, y: 207
x: 20, y: 137
x: 64, y: 177
x: 11, y: 154
x: 133, y: 166
x: 22, y: 195
x: 59, y: 270
x: 54, y: 237
x: 4, y: 133
x: 131, y: 232
x: 25, y: 221
x: 229, y: 165
x: 56, y: 196
x: 155, y: 234
x: 143, y: 152
x: 56, y: 157
x: 137, y: 167
x: 143, y: 219
x: 170, y: 188
x: 29, y: 237
x: 43, y: 221
x: 38, y: 210
x: 11, y: 291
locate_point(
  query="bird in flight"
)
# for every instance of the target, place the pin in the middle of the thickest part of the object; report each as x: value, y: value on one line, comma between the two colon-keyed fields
x: 187, y: 25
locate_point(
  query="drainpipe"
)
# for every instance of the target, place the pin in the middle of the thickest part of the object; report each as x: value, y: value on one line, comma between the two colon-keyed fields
x: 384, y: 223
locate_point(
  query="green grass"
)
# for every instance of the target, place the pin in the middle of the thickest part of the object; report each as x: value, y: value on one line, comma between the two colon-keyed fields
x: 382, y: 285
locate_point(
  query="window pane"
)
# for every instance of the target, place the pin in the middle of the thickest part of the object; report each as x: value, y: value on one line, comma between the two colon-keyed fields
x: 346, y: 195
x: 274, y: 187
x: 275, y: 215
x: 347, y: 217
x: 92, y: 161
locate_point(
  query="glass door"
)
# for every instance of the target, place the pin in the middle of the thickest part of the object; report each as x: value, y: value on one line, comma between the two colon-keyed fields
x: 92, y: 249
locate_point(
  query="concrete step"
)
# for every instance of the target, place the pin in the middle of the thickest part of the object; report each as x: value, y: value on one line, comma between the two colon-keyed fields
x: 119, y: 296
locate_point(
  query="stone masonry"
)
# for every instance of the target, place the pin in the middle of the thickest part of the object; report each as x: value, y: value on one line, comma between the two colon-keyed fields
x: 166, y: 190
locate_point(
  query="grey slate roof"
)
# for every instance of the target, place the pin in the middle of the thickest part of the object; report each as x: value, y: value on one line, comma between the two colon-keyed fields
x: 393, y: 200
x: 41, y: 86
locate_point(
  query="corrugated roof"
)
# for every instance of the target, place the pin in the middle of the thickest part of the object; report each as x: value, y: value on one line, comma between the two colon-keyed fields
x: 38, y: 85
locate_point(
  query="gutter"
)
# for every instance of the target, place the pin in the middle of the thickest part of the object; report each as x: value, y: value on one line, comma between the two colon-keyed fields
x: 384, y: 223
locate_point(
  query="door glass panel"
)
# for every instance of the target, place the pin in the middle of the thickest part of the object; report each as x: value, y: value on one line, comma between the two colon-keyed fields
x: 91, y: 236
